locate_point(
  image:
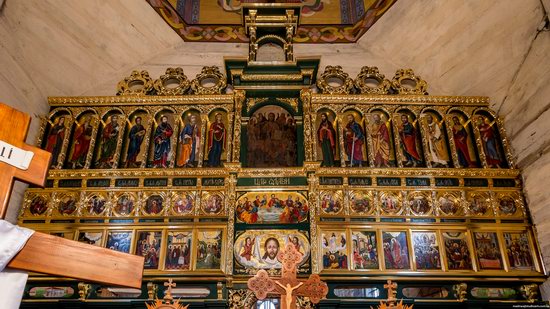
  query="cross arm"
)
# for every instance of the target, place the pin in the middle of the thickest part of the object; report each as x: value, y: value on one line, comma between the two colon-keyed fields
x: 313, y: 288
x: 54, y: 255
x: 14, y: 126
x: 261, y: 284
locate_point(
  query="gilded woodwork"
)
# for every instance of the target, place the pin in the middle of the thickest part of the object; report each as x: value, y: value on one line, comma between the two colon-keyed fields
x: 335, y: 81
x: 406, y: 82
x: 209, y: 81
x: 138, y: 83
x: 371, y: 81
x: 163, y: 84
x: 346, y: 198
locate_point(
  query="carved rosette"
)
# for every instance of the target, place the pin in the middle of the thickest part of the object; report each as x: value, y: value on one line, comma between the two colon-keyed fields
x: 209, y: 81
x: 173, y: 76
x: 138, y: 83
x: 335, y: 81
x: 261, y: 284
x: 371, y: 81
x: 406, y: 82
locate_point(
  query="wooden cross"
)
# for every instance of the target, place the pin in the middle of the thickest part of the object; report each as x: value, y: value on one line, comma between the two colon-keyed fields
x: 45, y: 253
x: 288, y: 286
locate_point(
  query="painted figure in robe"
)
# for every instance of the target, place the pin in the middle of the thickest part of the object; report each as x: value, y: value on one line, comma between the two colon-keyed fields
x: 490, y: 143
x: 189, y: 141
x: 327, y: 140
x: 216, y: 141
x: 162, y: 143
x: 436, y: 143
x: 54, y: 142
x: 82, y: 137
x: 380, y: 142
x: 135, y: 139
x: 409, y: 139
x: 109, y: 139
x: 354, y: 137
x: 460, y: 137
x: 247, y: 248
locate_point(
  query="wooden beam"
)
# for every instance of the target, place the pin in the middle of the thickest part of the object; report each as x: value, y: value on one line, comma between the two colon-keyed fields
x: 57, y: 256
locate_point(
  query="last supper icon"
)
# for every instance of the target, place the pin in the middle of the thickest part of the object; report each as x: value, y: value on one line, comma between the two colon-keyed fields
x: 269, y: 207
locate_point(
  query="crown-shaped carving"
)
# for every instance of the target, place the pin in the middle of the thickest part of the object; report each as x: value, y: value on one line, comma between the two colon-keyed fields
x: 209, y: 81
x: 138, y: 83
x: 371, y: 81
x: 335, y: 81
x: 173, y: 82
x: 406, y: 82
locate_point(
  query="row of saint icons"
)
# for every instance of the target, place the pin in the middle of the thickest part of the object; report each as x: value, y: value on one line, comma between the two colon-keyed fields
x: 409, y: 141
x: 188, y: 145
x: 280, y: 142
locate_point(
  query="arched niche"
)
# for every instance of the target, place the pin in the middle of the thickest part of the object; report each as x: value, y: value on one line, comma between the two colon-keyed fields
x: 110, y: 131
x: 436, y: 144
x: 380, y: 137
x: 486, y: 125
x: 463, y: 139
x: 271, y: 136
x: 408, y: 138
x: 136, y: 138
x: 190, y: 139
x: 353, y: 138
x: 82, y: 140
x: 327, y: 139
x: 163, y: 137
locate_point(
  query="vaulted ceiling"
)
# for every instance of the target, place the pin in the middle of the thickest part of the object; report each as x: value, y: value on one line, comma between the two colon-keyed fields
x: 322, y: 21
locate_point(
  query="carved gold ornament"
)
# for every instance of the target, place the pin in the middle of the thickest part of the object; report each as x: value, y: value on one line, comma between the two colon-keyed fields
x: 209, y: 81
x: 391, y: 302
x: 84, y: 290
x: 420, y: 203
x: 243, y: 298
x: 168, y: 301
x: 371, y: 81
x: 138, y: 83
x: 406, y: 82
x: 173, y: 82
x: 530, y: 292
x: 460, y: 291
x: 335, y: 81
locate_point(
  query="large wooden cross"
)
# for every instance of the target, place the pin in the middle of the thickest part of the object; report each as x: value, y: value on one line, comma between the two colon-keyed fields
x: 45, y: 253
x: 288, y: 286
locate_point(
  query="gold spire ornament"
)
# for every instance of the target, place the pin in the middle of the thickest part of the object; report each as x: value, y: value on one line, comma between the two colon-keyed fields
x: 391, y: 302
x: 168, y: 301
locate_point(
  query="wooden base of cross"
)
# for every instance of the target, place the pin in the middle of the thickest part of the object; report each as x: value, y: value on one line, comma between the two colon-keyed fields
x: 288, y: 286
x: 45, y: 253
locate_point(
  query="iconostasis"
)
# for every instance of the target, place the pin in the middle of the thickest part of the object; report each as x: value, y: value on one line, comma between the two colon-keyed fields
x: 366, y: 177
